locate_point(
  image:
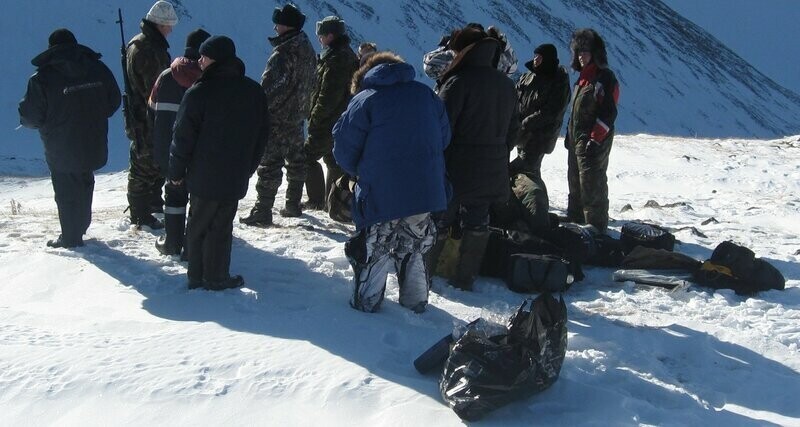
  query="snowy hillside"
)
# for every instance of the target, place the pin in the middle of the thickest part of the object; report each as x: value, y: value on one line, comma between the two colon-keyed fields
x: 676, y: 79
x: 109, y: 335
x: 762, y: 33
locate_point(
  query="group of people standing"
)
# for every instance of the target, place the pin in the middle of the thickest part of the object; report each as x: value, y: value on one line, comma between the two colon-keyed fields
x: 425, y: 161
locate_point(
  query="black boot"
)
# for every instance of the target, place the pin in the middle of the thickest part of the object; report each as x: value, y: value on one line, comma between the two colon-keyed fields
x: 60, y: 242
x: 140, y: 213
x: 172, y: 243
x: 473, y: 246
x: 229, y: 283
x: 432, y: 257
x: 315, y: 187
x: 294, y: 192
x: 260, y: 216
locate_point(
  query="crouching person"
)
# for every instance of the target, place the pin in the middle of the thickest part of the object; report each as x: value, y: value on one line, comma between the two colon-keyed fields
x: 219, y: 138
x: 392, y: 139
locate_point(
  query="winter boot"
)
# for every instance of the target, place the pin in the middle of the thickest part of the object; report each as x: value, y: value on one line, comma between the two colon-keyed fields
x: 172, y: 243
x: 60, y: 242
x: 473, y: 246
x: 140, y: 213
x: 432, y: 256
x: 294, y: 192
x: 229, y: 283
x: 315, y: 187
x: 260, y: 216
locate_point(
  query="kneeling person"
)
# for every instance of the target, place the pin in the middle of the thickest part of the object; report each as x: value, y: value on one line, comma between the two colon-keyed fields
x: 219, y: 138
x: 392, y: 139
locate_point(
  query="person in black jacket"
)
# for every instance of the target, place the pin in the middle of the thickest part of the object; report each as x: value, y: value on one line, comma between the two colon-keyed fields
x: 482, y: 106
x: 162, y: 109
x: 220, y: 135
x: 69, y: 100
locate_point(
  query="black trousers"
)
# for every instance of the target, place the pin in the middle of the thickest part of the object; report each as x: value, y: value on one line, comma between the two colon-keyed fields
x: 73, y: 194
x: 209, y: 236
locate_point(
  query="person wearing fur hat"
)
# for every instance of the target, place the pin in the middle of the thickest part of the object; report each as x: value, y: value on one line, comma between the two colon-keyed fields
x: 392, y: 138
x: 482, y: 106
x: 590, y: 131
x: 543, y: 94
x: 147, y: 58
x: 165, y: 98
x: 69, y: 100
x: 335, y: 68
x: 287, y: 80
x: 219, y: 138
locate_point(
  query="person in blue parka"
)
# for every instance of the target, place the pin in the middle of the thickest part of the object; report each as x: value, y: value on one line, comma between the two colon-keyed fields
x: 392, y: 139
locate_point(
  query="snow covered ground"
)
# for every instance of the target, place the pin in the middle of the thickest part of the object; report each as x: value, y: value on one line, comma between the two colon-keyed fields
x: 108, y: 334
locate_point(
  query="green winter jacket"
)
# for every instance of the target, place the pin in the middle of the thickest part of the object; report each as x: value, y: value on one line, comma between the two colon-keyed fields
x: 594, y: 106
x: 335, y: 69
x: 147, y: 58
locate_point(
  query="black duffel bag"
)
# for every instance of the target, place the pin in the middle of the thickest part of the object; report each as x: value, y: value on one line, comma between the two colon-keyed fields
x: 637, y: 233
x: 736, y: 267
x: 528, y: 273
x: 485, y: 372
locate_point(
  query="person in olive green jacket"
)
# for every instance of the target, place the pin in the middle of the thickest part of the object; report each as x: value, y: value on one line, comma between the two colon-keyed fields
x: 147, y: 57
x: 590, y: 131
x: 335, y: 68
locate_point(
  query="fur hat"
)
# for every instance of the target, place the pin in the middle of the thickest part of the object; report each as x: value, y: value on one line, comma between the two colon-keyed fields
x: 218, y: 48
x: 162, y: 13
x: 193, y: 42
x: 289, y: 15
x: 61, y: 36
x: 587, y: 40
x: 331, y: 25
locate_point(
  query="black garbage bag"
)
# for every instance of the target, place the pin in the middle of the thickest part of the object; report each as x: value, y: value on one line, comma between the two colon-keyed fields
x: 486, y: 371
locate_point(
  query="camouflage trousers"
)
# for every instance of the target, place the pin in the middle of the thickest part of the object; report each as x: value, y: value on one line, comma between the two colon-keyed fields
x: 588, y: 184
x: 144, y: 180
x: 400, y: 246
x: 285, y: 149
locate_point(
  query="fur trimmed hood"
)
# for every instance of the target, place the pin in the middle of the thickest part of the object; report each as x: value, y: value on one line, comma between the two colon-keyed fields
x: 588, y: 39
x: 371, y: 62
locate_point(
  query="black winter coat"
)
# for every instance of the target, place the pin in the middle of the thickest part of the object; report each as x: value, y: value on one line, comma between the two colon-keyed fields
x: 482, y: 106
x: 220, y: 133
x: 69, y: 99
x: 543, y: 99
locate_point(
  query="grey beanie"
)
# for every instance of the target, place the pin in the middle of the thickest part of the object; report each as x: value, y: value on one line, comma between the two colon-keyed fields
x: 162, y: 13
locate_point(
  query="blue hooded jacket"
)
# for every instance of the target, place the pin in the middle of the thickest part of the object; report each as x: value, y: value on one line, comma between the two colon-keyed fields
x: 392, y: 137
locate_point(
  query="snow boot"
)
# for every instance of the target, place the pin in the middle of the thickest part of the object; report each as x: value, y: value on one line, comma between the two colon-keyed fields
x: 229, y: 283
x: 315, y: 187
x: 60, y: 242
x: 294, y: 192
x: 432, y: 257
x: 172, y: 243
x: 140, y: 213
x: 260, y: 216
x: 473, y: 246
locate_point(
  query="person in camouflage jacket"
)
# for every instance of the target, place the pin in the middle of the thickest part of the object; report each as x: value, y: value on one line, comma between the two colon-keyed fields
x: 543, y: 94
x: 335, y: 69
x: 287, y: 80
x: 590, y: 131
x: 147, y: 57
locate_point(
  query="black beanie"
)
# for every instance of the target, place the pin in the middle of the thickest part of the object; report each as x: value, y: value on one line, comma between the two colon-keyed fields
x: 289, y: 15
x: 548, y: 51
x: 61, y: 36
x: 218, y: 48
x: 193, y: 42
x: 549, y: 63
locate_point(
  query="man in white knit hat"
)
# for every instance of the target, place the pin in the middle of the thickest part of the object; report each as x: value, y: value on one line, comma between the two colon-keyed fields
x: 147, y: 58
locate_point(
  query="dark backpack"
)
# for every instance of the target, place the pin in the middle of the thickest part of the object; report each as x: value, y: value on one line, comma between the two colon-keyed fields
x: 733, y: 266
x: 538, y: 273
x: 637, y: 233
x: 580, y: 244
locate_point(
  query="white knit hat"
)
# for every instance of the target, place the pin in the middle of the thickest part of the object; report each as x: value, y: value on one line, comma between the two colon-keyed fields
x: 162, y: 13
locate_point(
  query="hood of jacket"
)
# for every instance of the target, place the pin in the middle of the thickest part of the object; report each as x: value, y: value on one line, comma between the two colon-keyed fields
x: 185, y: 71
x: 69, y: 59
x: 381, y: 69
